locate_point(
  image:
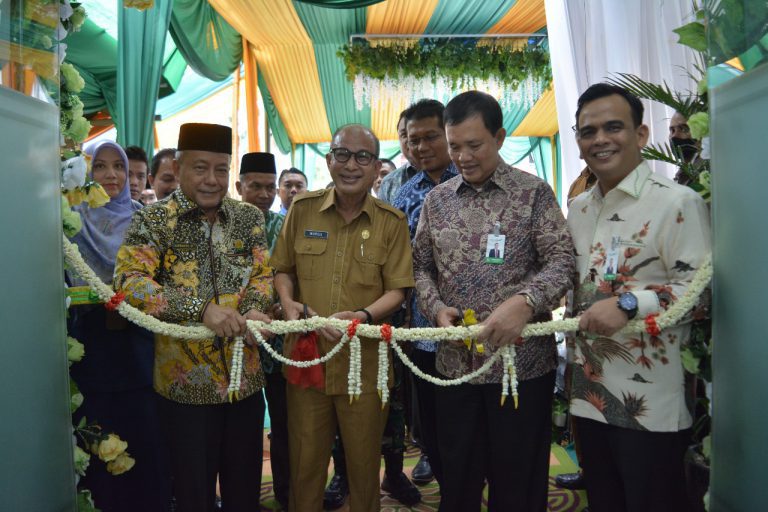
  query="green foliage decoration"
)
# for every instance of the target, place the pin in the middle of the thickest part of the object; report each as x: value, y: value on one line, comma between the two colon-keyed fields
x: 461, y: 61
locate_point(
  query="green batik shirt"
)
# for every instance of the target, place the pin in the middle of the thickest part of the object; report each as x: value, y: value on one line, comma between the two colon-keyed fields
x: 172, y: 263
x: 273, y: 223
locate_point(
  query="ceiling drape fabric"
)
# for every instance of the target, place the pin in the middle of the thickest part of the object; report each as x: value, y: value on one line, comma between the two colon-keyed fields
x: 251, y: 97
x: 141, y: 44
x: 341, y: 4
x: 329, y: 29
x: 208, y: 43
x: 286, y: 60
x: 467, y: 17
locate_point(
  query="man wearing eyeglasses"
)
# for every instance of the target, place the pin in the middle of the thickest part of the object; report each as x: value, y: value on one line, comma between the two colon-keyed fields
x: 291, y: 183
x: 341, y: 254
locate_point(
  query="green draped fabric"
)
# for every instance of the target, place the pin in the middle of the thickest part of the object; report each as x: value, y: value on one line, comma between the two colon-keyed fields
x: 516, y: 149
x: 141, y: 44
x: 94, y: 53
x: 208, y: 43
x: 341, y: 4
x: 273, y: 117
x: 542, y: 158
x: 329, y: 29
x: 466, y: 16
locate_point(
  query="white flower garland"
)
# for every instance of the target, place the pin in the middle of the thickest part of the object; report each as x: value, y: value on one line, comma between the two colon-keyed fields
x: 382, y: 377
x: 236, y: 369
x: 355, y: 384
x: 509, y: 380
x: 667, y: 319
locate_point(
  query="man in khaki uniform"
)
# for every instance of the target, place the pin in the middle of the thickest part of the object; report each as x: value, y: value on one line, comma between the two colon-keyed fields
x: 345, y: 255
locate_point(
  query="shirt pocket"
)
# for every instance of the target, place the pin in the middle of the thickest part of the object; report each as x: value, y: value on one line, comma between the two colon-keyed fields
x: 368, y: 264
x: 236, y: 268
x: 309, y: 258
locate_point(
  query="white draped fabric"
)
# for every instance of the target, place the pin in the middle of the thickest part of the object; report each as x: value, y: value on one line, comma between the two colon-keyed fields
x: 591, y: 39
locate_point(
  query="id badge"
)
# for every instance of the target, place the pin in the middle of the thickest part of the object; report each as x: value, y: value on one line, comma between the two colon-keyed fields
x: 610, y: 269
x: 494, y: 249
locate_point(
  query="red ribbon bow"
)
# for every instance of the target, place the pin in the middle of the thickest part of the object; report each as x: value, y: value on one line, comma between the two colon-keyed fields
x: 114, y: 301
x: 352, y: 328
x: 306, y: 350
x: 651, y: 327
x: 386, y: 333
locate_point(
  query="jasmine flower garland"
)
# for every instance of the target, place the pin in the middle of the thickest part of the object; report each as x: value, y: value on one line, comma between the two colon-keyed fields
x: 509, y: 382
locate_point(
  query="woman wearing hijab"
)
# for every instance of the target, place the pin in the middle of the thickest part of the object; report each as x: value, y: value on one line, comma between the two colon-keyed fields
x: 115, y: 376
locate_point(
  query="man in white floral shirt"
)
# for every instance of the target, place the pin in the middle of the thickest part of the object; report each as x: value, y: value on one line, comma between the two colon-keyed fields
x: 639, y: 240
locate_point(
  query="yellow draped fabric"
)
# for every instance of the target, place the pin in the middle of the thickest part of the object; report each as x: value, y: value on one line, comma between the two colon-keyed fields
x: 286, y: 57
x: 541, y: 120
x: 251, y: 96
x: 395, y: 17
x: 524, y: 17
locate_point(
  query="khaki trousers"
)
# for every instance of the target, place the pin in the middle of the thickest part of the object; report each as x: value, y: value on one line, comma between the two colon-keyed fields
x: 312, y: 420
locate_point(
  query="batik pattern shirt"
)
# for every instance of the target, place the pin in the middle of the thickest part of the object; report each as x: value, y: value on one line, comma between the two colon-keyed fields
x: 172, y: 263
x: 652, y: 235
x: 450, y: 267
x: 394, y: 180
x: 409, y: 200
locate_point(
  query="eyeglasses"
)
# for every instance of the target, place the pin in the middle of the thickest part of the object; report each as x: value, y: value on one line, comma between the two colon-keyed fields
x: 361, y: 157
x: 414, y: 142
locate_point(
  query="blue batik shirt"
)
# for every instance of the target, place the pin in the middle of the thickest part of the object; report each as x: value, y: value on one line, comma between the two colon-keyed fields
x: 410, y: 199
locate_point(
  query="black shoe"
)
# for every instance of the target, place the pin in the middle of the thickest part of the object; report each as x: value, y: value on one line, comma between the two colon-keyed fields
x: 400, y: 488
x: 336, y: 492
x: 572, y: 481
x: 422, y: 471
x: 217, y: 504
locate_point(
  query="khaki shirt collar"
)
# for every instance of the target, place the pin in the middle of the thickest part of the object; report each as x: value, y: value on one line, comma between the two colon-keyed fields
x: 330, y: 200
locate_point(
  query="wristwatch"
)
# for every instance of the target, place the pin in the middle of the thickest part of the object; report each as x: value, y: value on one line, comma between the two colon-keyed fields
x: 529, y: 300
x: 628, y: 304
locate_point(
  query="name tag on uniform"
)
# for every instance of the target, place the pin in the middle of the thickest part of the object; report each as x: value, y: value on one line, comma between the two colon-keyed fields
x: 311, y: 233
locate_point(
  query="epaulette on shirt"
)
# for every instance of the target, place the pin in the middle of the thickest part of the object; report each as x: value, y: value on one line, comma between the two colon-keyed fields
x: 388, y: 207
x: 309, y: 195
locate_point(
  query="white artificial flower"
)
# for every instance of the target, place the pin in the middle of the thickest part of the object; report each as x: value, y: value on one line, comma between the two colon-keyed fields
x: 705, y: 149
x: 73, y: 173
x: 65, y: 10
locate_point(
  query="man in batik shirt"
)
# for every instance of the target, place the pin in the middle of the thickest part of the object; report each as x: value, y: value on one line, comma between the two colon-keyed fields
x: 639, y: 240
x: 195, y: 257
x: 480, y: 439
x: 258, y: 186
x: 397, y: 178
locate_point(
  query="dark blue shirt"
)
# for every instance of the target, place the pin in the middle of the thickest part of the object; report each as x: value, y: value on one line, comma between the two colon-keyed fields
x: 410, y: 199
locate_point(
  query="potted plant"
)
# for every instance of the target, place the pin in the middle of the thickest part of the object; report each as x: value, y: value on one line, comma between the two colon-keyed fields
x: 559, y: 412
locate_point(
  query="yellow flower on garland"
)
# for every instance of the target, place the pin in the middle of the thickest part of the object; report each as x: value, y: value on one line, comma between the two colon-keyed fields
x: 110, y: 448
x: 121, y: 464
x: 184, y: 273
x: 96, y: 196
x: 471, y: 319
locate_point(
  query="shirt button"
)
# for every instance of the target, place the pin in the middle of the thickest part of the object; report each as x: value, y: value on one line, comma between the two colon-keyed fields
x: 333, y: 306
x: 336, y: 279
x: 370, y: 257
x: 339, y: 254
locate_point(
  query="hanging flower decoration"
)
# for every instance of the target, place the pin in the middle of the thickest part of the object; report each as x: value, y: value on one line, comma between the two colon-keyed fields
x: 382, y: 377
x: 512, y: 70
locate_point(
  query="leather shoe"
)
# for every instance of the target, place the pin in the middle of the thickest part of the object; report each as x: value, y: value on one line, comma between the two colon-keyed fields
x: 422, y: 471
x: 400, y: 488
x: 572, y: 481
x: 336, y: 492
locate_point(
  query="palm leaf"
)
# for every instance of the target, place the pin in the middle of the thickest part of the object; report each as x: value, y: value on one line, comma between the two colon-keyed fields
x: 663, y: 153
x: 606, y: 348
x: 686, y: 105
